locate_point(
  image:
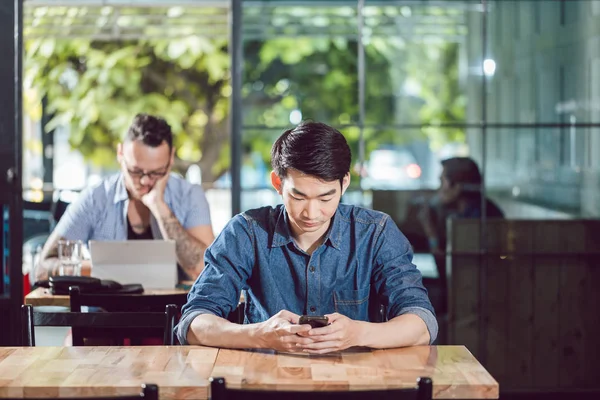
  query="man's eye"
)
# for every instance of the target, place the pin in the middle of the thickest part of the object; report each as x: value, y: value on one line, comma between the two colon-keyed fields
x: 325, y: 200
x: 296, y: 198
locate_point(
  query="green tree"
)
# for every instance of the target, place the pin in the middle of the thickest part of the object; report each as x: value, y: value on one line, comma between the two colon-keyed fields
x: 95, y: 87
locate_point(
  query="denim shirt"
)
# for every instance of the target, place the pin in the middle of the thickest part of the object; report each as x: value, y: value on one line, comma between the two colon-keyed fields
x: 364, y: 261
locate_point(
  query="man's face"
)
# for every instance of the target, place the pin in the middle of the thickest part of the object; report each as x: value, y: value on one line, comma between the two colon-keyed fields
x: 142, y: 166
x: 448, y: 192
x: 309, y: 201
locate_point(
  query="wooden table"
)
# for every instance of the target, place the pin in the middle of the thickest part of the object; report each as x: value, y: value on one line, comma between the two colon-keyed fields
x: 43, y: 296
x: 182, y: 372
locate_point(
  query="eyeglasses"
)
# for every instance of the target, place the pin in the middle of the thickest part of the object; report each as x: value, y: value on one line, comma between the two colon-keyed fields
x: 139, y: 174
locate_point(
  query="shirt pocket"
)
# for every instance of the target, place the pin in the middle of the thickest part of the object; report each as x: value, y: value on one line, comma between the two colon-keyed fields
x: 353, y: 304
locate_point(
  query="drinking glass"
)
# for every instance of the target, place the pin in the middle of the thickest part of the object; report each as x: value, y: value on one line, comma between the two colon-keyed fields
x: 69, y: 256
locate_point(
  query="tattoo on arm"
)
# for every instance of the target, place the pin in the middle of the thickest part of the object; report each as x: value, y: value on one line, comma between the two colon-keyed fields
x: 190, y: 251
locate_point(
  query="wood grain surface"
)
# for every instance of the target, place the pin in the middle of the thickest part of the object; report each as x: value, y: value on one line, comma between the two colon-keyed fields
x: 43, y: 296
x: 454, y: 370
x: 182, y: 372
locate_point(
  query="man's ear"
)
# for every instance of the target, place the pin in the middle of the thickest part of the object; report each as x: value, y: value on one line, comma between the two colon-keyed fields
x: 345, y: 183
x: 172, y: 157
x: 276, y: 182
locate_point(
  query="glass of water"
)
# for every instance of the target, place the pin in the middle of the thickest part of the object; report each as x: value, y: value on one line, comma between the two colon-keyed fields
x: 70, y: 256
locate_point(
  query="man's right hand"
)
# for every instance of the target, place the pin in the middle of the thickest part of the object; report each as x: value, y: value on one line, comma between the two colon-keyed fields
x: 280, y: 332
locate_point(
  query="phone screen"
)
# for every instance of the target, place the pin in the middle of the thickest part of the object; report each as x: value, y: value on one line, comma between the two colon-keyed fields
x: 316, y: 321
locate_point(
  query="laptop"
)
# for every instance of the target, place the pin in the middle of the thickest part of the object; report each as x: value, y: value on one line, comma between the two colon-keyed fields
x: 151, y: 263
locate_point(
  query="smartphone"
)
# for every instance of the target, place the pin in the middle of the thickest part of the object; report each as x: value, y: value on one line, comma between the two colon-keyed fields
x: 316, y: 321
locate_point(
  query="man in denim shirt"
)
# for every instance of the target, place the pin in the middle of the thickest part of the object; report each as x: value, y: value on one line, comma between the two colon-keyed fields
x: 311, y: 255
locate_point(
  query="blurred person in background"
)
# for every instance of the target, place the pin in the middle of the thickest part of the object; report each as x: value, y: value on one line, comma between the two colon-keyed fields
x: 143, y: 201
x: 459, y: 196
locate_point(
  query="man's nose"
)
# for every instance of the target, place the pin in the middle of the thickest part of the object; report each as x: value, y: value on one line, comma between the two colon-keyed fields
x: 311, y: 211
x: 145, y: 181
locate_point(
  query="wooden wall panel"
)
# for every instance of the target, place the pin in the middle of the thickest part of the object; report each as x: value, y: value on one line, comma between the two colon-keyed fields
x: 519, y: 320
x: 546, y: 239
x: 464, y: 303
x: 497, y: 299
x: 572, y: 308
x: 592, y: 321
x: 541, y: 300
x: 545, y: 323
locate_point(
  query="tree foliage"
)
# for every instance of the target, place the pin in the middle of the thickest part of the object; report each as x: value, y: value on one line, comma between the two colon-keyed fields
x: 96, y: 87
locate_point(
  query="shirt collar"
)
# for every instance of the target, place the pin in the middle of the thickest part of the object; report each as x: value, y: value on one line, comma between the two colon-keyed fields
x: 283, y: 235
x: 120, y: 191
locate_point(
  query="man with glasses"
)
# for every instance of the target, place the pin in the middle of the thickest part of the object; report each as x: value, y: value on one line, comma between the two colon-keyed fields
x: 143, y: 201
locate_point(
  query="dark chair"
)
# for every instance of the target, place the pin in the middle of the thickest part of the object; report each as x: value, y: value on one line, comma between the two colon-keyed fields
x: 113, y: 325
x: 422, y: 391
x: 149, y: 392
x: 125, y: 302
x: 237, y: 316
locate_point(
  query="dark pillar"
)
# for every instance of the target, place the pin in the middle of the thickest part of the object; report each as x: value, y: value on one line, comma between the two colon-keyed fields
x: 47, y: 144
x: 235, y: 107
x: 11, y: 203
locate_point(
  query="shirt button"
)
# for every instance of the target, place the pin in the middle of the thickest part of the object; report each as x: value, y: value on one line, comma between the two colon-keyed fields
x: 312, y: 268
x: 313, y: 309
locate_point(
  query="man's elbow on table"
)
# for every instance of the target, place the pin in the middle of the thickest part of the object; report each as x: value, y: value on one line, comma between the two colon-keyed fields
x: 191, y: 326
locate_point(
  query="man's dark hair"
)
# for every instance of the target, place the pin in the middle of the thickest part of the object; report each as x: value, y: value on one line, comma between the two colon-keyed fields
x: 151, y: 130
x: 312, y: 148
x: 463, y: 170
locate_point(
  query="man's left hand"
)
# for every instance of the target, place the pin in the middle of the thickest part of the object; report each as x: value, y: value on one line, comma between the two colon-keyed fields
x: 340, y: 334
x: 155, y: 197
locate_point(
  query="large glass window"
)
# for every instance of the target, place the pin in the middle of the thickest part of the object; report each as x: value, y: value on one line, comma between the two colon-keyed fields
x: 90, y: 67
x: 512, y: 85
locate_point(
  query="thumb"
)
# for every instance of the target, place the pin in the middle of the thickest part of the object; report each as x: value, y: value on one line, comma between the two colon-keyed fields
x: 289, y: 316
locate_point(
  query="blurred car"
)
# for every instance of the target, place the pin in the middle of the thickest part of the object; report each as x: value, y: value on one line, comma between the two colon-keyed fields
x: 391, y: 169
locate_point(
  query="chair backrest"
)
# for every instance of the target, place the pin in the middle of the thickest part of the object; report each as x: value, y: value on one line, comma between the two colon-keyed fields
x: 149, y: 392
x: 422, y: 391
x: 101, y: 324
x: 125, y: 302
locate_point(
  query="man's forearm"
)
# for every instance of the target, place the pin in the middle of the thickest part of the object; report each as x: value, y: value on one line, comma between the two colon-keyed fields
x: 401, y: 331
x: 210, y: 330
x: 190, y: 251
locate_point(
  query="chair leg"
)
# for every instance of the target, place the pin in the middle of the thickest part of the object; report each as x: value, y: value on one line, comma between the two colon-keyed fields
x: 170, y: 315
x: 27, y: 332
x: 218, y: 390
x: 425, y: 388
x: 150, y: 391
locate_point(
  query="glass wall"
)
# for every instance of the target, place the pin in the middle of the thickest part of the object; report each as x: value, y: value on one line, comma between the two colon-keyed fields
x: 513, y: 85
x: 392, y: 77
x: 543, y: 102
x: 91, y: 66
x: 509, y: 84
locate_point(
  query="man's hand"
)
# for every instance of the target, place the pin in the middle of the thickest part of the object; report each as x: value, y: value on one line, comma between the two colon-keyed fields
x: 154, y: 199
x: 340, y: 334
x: 281, y: 332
